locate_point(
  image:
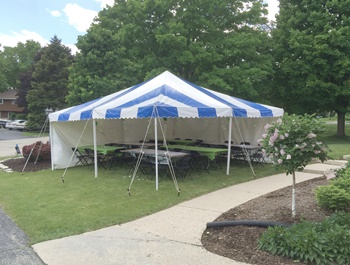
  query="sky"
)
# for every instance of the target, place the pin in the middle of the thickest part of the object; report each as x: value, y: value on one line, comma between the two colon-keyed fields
x: 40, y: 20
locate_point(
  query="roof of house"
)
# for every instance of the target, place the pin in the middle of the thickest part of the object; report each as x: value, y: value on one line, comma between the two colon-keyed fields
x: 9, y: 94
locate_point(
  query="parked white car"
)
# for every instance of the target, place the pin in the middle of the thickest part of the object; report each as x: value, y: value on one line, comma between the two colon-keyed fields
x: 3, y: 123
x: 16, y: 125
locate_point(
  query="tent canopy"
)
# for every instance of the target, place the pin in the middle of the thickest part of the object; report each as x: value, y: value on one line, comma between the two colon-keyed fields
x: 171, y: 97
x: 191, y: 111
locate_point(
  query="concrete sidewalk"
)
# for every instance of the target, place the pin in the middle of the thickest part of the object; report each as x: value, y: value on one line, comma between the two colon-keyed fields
x: 172, y: 236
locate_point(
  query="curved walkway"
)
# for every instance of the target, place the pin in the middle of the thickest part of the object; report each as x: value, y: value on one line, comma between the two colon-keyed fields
x: 172, y: 236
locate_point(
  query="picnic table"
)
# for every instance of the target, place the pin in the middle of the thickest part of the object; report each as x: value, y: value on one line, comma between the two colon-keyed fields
x: 209, y: 152
x: 180, y: 141
x: 103, y: 149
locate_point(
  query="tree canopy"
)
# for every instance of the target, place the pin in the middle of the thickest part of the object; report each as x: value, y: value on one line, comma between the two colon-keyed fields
x: 312, y: 57
x: 49, y: 81
x: 14, y: 60
x: 219, y: 44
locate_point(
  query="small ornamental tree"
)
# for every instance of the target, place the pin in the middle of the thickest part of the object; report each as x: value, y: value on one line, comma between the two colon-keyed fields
x: 291, y: 143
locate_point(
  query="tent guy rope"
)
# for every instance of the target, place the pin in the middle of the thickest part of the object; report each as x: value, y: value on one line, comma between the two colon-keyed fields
x: 42, y: 131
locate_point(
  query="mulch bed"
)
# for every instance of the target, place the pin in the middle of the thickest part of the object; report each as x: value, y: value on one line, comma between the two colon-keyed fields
x: 240, y: 243
x: 17, y: 164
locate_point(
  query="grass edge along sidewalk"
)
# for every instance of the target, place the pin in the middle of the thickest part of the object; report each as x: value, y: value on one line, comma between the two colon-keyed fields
x: 45, y: 208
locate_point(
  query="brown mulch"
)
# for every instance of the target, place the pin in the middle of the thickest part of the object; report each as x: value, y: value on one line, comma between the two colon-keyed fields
x: 17, y: 164
x: 240, y: 243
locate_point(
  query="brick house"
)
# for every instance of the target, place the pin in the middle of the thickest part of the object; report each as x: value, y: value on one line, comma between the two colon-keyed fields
x: 8, y: 104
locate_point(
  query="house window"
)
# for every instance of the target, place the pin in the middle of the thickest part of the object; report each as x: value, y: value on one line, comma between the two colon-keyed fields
x: 1, y: 101
x: 13, y: 102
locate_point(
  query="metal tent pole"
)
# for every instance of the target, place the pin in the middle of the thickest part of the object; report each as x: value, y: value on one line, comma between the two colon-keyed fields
x: 156, y: 149
x: 95, y: 146
x: 229, y: 147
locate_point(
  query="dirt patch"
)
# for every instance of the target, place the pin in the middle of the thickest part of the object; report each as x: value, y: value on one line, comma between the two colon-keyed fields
x: 17, y: 164
x: 240, y: 243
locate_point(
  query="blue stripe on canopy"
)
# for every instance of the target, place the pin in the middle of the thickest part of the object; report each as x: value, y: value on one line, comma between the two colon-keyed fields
x: 238, y: 112
x: 65, y: 115
x: 87, y: 114
x: 264, y: 112
x: 169, y: 112
x: 168, y: 92
x: 157, y: 110
x: 206, y: 112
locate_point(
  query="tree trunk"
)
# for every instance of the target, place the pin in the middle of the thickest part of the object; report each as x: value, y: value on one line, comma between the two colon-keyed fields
x: 341, y: 124
x: 293, y: 196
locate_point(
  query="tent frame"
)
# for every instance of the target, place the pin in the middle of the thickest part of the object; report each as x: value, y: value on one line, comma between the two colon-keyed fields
x: 156, y: 147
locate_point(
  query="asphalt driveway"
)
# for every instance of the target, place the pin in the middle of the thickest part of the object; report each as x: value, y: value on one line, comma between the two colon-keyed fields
x: 6, y: 134
x: 14, y: 249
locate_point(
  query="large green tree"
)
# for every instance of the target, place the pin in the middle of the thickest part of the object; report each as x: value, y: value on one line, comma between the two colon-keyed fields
x: 219, y: 44
x: 25, y: 79
x: 15, y: 60
x: 50, y: 81
x: 312, y: 57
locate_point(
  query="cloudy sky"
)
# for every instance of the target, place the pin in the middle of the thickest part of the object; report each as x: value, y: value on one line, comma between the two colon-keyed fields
x: 40, y: 20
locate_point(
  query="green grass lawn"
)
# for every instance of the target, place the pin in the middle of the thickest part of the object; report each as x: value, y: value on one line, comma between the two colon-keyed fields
x: 338, y: 146
x: 45, y: 208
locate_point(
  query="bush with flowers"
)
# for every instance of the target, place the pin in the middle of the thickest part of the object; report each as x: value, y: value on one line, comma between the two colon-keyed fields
x: 291, y: 143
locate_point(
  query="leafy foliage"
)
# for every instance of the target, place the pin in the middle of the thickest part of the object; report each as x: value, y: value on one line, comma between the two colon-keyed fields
x: 311, y: 52
x: 15, y: 60
x: 219, y: 44
x: 344, y: 172
x: 332, y: 197
x: 336, y: 195
x: 321, y: 243
x: 291, y: 142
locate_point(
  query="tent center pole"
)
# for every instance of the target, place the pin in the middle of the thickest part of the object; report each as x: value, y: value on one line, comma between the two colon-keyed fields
x: 156, y: 149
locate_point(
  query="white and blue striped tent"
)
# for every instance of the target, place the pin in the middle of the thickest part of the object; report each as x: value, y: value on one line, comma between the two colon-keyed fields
x: 188, y: 110
x: 172, y: 97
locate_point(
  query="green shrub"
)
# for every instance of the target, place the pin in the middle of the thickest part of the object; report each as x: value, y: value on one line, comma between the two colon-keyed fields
x: 344, y: 172
x: 341, y: 218
x: 342, y: 183
x: 332, y: 197
x: 322, y: 243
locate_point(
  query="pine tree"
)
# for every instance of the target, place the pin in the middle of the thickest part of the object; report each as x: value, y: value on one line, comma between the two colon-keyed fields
x: 49, y: 83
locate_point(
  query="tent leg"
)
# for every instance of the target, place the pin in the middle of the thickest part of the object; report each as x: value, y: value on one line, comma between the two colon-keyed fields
x: 95, y: 145
x: 51, y: 144
x: 156, y: 149
x: 229, y: 147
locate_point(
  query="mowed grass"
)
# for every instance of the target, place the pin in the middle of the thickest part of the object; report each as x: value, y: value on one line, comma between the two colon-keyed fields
x: 338, y: 146
x: 45, y: 208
